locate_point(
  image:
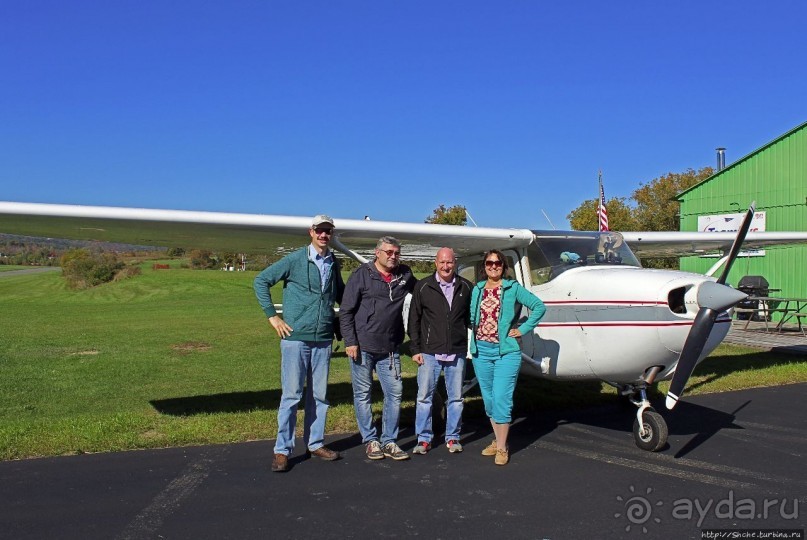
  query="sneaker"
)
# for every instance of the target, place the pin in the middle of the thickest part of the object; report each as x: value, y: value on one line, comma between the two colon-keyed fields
x: 374, y: 450
x: 392, y: 450
x: 454, y: 446
x: 490, y: 450
x: 502, y: 456
x: 422, y: 448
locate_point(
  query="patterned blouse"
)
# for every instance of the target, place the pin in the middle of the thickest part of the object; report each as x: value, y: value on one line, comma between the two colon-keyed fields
x: 488, y: 329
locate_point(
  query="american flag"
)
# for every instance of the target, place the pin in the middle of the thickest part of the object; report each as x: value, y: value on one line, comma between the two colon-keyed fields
x: 602, y: 213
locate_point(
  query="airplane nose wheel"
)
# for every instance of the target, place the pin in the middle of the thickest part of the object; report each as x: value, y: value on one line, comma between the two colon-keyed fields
x: 651, y: 433
x: 649, y: 428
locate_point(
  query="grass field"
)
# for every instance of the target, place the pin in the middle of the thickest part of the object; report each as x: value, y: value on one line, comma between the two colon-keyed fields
x: 180, y: 357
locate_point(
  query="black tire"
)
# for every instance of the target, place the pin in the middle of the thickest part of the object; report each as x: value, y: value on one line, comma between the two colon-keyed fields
x: 654, y: 437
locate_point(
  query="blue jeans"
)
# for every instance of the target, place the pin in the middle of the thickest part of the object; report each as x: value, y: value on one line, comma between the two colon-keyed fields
x: 428, y: 375
x: 497, y: 376
x: 303, y: 362
x: 387, y: 367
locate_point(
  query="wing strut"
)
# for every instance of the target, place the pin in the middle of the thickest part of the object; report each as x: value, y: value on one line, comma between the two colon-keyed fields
x: 336, y: 243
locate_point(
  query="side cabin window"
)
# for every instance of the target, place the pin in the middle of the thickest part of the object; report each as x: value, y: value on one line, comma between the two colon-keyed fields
x: 554, y: 253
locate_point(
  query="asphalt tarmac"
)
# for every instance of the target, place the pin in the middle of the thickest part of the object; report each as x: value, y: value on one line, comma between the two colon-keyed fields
x: 734, y: 461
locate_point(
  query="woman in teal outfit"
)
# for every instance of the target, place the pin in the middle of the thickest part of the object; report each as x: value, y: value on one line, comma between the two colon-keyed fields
x: 495, y: 309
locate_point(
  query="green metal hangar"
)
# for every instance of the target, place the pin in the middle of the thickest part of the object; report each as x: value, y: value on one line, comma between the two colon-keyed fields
x: 775, y: 176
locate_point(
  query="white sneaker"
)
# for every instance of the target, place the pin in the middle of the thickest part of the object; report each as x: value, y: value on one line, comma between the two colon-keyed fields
x: 422, y: 448
x: 454, y: 446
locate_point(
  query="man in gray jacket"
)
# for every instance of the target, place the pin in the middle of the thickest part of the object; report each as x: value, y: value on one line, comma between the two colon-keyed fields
x: 371, y: 320
x: 312, y: 283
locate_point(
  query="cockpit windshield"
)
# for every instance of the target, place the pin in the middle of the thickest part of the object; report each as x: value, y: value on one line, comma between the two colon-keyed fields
x: 553, y: 253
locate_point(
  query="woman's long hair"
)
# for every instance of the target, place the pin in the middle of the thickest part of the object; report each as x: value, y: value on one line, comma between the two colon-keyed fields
x: 500, y: 255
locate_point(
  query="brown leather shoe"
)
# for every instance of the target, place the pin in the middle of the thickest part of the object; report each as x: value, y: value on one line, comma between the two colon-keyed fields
x: 280, y: 463
x: 325, y: 453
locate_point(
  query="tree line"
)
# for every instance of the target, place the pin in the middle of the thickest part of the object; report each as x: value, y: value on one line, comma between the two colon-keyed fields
x: 651, y: 206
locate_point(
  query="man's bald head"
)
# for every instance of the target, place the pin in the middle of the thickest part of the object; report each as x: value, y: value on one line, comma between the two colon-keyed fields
x: 445, y: 262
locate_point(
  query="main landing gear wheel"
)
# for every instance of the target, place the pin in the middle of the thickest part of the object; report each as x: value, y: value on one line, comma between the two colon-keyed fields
x: 654, y: 435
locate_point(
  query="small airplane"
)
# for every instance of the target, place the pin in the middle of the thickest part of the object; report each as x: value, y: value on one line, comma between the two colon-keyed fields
x: 607, y: 319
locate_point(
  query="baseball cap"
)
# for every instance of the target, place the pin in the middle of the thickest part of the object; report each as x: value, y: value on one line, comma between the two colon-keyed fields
x: 319, y: 219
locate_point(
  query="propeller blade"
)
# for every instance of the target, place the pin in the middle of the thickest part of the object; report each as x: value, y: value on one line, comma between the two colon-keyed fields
x: 713, y: 298
x: 693, y: 347
x: 738, y: 242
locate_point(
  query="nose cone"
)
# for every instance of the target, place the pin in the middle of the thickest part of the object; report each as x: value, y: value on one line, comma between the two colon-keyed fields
x: 718, y: 297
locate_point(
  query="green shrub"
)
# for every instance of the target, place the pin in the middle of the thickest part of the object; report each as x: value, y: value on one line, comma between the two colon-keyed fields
x: 202, y: 259
x: 84, y: 269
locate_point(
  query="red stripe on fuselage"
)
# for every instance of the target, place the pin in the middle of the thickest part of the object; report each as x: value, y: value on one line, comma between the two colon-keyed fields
x: 614, y: 302
x: 627, y: 324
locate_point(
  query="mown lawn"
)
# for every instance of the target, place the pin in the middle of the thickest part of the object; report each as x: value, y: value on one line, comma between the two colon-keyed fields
x: 166, y: 358
x: 12, y: 267
x: 179, y: 357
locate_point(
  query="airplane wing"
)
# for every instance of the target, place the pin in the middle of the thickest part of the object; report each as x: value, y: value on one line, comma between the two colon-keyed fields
x: 679, y: 244
x: 248, y: 233
x: 261, y: 233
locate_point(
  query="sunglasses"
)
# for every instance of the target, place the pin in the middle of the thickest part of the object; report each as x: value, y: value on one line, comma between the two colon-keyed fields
x: 493, y: 264
x: 390, y: 252
x: 324, y: 230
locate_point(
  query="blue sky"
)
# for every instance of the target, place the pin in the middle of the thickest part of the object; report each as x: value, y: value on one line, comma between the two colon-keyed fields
x: 384, y: 108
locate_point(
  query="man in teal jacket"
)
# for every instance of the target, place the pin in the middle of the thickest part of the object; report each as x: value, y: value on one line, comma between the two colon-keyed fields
x: 312, y: 283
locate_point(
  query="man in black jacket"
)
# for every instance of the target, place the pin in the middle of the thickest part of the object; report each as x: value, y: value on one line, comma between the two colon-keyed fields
x: 439, y: 318
x: 371, y: 318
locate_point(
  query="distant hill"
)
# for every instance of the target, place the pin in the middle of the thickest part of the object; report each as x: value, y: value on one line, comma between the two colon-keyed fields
x: 61, y: 244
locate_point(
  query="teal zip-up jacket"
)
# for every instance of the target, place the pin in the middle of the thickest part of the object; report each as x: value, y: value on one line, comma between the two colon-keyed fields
x: 514, y: 296
x: 307, y: 308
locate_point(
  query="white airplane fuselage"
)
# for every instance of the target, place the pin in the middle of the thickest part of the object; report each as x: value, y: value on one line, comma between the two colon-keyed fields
x: 614, y: 323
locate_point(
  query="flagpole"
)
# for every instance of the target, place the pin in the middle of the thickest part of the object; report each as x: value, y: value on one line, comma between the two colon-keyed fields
x: 602, y: 213
x: 599, y: 194
x: 599, y: 199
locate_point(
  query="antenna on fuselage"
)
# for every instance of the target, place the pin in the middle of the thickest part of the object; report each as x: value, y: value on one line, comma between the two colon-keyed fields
x: 549, y: 220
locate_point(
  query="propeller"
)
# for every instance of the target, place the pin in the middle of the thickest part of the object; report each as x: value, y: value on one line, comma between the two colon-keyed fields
x: 713, y: 299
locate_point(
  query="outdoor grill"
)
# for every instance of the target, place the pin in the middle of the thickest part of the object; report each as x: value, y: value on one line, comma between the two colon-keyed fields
x: 752, y: 286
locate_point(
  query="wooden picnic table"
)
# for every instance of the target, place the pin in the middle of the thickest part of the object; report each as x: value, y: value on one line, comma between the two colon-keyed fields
x: 788, y: 308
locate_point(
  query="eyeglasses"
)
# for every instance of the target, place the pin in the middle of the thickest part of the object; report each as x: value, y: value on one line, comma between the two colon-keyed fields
x: 324, y: 230
x: 493, y: 264
x: 390, y: 252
